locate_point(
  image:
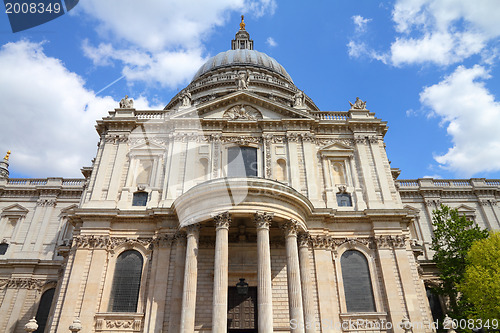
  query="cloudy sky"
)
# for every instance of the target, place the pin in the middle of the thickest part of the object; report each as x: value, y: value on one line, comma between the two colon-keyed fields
x: 427, y: 67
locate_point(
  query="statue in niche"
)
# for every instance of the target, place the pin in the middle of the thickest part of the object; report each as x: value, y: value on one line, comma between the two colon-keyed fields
x: 358, y: 105
x: 126, y: 103
x: 185, y: 98
x: 241, y: 112
x: 299, y: 99
x: 242, y: 80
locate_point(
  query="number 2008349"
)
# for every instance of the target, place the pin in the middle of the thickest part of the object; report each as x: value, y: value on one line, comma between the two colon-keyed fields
x: 32, y: 8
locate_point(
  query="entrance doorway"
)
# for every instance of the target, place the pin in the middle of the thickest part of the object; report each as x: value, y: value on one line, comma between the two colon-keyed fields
x: 242, y: 311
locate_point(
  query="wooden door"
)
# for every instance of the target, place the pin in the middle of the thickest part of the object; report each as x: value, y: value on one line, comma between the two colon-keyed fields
x: 242, y: 311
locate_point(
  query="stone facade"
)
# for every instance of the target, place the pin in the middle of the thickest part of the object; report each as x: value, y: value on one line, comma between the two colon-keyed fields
x: 241, y: 176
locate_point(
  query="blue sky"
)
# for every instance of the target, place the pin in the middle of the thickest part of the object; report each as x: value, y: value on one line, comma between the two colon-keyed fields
x: 427, y: 67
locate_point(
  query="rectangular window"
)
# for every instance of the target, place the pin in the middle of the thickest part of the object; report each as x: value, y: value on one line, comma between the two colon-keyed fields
x: 242, y: 162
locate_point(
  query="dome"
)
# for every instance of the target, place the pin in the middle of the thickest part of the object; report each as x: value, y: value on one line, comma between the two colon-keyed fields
x: 242, y: 57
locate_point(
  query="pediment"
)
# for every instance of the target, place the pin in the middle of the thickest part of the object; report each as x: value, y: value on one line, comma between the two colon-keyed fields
x: 68, y: 209
x: 15, y: 210
x: 464, y: 209
x: 266, y: 108
x: 147, y: 146
x: 336, y: 149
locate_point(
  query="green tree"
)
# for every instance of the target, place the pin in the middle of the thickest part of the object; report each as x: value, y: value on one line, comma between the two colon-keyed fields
x: 481, y: 283
x: 453, y: 237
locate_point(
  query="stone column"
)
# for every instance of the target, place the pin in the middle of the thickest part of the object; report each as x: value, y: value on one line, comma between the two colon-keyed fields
x: 177, y: 285
x: 190, y: 279
x: 295, y: 309
x: 219, y: 309
x: 307, y: 284
x: 264, y: 288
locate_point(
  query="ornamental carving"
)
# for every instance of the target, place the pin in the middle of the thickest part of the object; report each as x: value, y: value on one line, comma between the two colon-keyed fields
x: 193, y: 229
x: 222, y: 220
x: 180, y: 237
x: 290, y: 228
x: 332, y: 243
x: 126, y: 103
x: 107, y: 323
x: 263, y: 220
x: 389, y: 241
x: 242, y: 112
x: 140, y: 141
x: 215, y: 167
x: 267, y: 141
x: 46, y: 202
x: 108, y: 243
x: 115, y: 139
x: 487, y: 202
x: 304, y: 239
x: 433, y: 202
x: 241, y: 140
x: 21, y: 283
x: 345, y: 142
x: 163, y: 240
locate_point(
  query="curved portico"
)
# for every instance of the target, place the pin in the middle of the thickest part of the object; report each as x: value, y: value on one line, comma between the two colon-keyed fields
x: 256, y: 210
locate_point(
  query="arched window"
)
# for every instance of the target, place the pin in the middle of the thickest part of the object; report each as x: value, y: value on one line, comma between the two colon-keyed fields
x: 42, y: 314
x: 357, y: 282
x: 140, y: 199
x: 126, y: 282
x: 242, y: 162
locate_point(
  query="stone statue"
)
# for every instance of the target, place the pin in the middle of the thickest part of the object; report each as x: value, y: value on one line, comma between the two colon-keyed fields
x: 242, y: 80
x: 299, y: 99
x: 239, y: 112
x: 358, y: 105
x: 185, y: 98
x: 126, y: 103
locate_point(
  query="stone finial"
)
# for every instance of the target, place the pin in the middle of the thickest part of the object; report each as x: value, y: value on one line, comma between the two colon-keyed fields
x: 31, y: 326
x: 76, y: 326
x: 242, y: 24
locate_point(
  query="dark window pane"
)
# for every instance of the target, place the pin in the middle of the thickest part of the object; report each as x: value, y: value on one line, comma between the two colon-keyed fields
x: 344, y: 200
x: 42, y: 313
x: 126, y: 282
x: 357, y: 283
x: 242, y: 162
x: 3, y: 248
x: 140, y: 199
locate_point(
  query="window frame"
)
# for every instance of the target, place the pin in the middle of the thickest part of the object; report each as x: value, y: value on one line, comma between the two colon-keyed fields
x: 372, y: 268
x: 225, y: 158
x: 108, y: 284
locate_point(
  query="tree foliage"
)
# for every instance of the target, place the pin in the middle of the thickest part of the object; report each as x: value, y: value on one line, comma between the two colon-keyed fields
x: 481, y: 283
x: 453, y: 237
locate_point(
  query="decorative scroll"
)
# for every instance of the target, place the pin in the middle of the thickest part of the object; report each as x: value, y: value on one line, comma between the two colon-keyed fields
x: 267, y: 140
x: 21, y: 283
x: 389, y: 241
x: 46, y: 202
x: 107, y: 322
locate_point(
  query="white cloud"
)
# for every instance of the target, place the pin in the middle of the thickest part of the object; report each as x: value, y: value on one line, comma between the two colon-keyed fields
x: 48, y: 115
x: 271, y: 42
x: 160, y: 41
x: 358, y: 49
x: 360, y: 23
x: 443, y: 31
x: 156, y: 25
x: 166, y: 68
x: 471, y: 115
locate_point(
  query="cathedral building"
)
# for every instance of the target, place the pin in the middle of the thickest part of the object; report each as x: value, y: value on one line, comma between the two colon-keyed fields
x: 239, y: 207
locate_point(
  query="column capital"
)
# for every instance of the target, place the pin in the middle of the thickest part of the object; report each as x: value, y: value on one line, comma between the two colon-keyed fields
x: 304, y: 239
x: 290, y: 228
x: 263, y: 220
x: 192, y: 229
x: 180, y: 237
x: 222, y: 220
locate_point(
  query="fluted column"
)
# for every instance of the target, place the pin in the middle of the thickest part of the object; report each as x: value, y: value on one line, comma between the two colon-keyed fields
x: 307, y: 284
x: 264, y: 288
x: 295, y: 309
x: 219, y: 312
x: 190, y: 279
x: 177, y: 285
